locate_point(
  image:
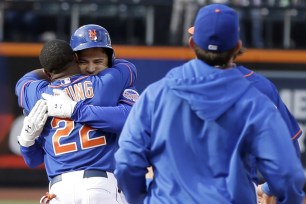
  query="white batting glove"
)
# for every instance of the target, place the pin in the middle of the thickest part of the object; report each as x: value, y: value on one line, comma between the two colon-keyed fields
x: 60, y: 104
x: 33, y: 124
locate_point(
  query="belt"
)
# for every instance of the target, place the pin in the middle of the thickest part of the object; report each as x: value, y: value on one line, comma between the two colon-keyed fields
x: 87, y: 174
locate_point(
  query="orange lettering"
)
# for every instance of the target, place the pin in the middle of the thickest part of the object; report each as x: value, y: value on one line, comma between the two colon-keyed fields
x: 86, y: 142
x: 60, y: 133
x: 88, y: 89
x: 78, y: 91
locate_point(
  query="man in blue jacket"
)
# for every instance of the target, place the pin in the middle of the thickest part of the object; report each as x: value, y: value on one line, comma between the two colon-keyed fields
x: 198, y: 126
x: 266, y: 87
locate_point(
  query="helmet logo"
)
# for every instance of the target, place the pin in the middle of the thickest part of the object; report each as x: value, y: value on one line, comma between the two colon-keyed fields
x: 92, y: 35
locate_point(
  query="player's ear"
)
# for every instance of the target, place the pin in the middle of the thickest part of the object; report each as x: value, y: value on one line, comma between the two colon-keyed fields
x: 76, y: 57
x: 47, y: 73
x: 238, y: 46
x: 191, y: 42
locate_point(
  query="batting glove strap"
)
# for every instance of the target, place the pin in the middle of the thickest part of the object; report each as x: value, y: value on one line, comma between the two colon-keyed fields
x: 61, y: 108
x: 60, y: 104
x: 25, y: 142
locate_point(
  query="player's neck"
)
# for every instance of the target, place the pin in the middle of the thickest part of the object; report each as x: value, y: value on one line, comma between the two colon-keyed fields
x: 68, y: 72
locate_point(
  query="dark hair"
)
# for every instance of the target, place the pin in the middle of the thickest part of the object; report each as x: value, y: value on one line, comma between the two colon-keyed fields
x: 56, y: 55
x: 214, y: 58
x: 109, y: 53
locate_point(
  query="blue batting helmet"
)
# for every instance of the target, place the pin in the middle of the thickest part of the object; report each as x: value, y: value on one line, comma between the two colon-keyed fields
x: 89, y: 36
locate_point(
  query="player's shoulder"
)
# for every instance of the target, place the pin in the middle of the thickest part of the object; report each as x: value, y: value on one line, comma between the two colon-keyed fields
x: 117, y: 61
x: 122, y: 65
x: 122, y: 62
x: 260, y: 82
x: 156, y: 89
x: 253, y: 100
x: 252, y: 75
x: 30, y: 79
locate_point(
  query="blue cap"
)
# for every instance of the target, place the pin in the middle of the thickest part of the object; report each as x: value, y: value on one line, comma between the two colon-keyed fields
x: 216, y: 28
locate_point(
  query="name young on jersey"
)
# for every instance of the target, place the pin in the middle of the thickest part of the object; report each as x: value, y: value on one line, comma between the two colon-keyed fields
x: 80, y: 91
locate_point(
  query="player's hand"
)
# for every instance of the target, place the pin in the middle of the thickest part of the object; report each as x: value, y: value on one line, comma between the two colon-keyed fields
x: 33, y: 124
x: 60, y: 104
x: 264, y: 198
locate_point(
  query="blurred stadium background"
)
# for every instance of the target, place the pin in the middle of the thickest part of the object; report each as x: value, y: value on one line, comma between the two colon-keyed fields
x: 153, y: 35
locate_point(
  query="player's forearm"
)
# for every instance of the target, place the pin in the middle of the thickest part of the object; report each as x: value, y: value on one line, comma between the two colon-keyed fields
x: 33, y: 155
x: 27, y: 81
x: 132, y: 185
x: 37, y: 74
x: 108, y: 119
x: 265, y: 186
x: 41, y: 75
x: 286, y: 185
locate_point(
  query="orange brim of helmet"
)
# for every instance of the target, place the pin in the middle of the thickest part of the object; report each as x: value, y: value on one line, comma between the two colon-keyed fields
x: 191, y: 30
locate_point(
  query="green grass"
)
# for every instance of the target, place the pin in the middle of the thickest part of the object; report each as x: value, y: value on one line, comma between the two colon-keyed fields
x: 18, y: 202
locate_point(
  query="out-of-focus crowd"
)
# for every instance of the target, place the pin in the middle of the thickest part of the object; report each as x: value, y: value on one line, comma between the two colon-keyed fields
x: 264, y: 23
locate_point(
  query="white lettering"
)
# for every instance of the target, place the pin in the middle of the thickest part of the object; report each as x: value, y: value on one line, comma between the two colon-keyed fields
x: 299, y: 108
x: 302, y: 138
x: 286, y: 95
x: 295, y: 100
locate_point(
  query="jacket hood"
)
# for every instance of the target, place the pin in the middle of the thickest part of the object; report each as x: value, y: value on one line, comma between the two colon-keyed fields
x: 210, y: 91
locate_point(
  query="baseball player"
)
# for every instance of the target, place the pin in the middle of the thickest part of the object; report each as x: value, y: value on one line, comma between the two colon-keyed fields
x: 198, y: 125
x: 266, y: 87
x: 78, y: 158
x: 93, y: 57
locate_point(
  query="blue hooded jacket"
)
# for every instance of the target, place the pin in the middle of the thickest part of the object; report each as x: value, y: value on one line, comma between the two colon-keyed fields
x: 196, y: 127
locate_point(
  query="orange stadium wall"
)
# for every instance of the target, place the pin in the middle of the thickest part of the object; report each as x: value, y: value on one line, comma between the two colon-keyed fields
x: 286, y: 68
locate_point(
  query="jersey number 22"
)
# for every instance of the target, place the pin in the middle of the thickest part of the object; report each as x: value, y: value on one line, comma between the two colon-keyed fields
x: 65, y: 131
